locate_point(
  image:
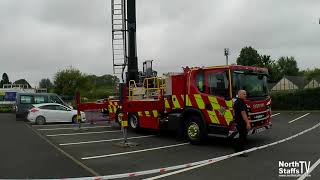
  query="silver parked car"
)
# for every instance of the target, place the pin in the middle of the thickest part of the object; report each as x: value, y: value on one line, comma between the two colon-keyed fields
x: 53, y: 112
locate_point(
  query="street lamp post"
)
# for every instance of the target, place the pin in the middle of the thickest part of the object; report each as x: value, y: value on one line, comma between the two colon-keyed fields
x: 226, y: 53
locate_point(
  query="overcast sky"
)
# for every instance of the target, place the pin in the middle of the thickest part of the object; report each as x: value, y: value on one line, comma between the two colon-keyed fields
x: 40, y: 37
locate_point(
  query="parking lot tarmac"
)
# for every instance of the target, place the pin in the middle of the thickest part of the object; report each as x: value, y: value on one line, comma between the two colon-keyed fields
x: 95, y: 147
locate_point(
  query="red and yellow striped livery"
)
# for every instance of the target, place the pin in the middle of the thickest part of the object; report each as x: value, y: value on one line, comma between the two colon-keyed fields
x: 199, y: 101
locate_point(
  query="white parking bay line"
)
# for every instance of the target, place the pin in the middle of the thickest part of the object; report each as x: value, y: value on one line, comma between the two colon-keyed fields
x: 72, y: 134
x: 299, y: 118
x: 104, y: 140
x: 75, y: 127
x: 310, y: 170
x: 275, y: 114
x: 57, y: 125
x: 132, y: 152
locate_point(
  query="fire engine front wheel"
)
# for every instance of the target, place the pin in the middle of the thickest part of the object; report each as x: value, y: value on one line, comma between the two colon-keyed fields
x: 195, y: 130
x: 133, y: 122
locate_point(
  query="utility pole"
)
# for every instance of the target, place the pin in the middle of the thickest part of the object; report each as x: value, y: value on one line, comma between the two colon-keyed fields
x: 226, y: 53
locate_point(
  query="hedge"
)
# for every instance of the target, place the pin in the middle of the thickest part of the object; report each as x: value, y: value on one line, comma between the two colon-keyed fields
x: 6, y: 108
x: 307, y: 99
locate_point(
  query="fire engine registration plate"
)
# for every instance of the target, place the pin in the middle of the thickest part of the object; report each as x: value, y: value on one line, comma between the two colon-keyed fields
x: 260, y: 130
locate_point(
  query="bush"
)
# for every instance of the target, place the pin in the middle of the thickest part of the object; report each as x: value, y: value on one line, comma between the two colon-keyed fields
x: 6, y: 108
x: 307, y: 99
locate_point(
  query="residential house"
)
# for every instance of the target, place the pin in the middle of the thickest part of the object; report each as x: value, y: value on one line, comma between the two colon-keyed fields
x: 314, y: 83
x: 290, y: 83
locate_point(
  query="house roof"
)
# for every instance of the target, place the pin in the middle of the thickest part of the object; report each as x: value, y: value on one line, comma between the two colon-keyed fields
x: 297, y: 80
x: 316, y: 78
x: 271, y: 85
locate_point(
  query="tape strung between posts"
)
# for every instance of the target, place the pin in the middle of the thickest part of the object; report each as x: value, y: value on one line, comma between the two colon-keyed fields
x: 191, y: 165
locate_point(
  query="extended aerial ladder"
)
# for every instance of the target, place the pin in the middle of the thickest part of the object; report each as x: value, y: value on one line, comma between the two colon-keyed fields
x: 124, y: 39
x: 119, y: 28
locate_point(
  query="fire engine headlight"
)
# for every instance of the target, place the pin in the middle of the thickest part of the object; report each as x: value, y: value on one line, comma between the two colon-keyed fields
x: 268, y: 104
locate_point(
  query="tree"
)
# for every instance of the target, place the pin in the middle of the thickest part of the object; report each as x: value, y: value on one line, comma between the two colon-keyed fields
x: 248, y: 57
x: 265, y: 61
x: 22, y: 81
x: 45, y: 83
x: 309, y: 74
x: 288, y: 66
x: 5, y: 79
x: 68, y: 81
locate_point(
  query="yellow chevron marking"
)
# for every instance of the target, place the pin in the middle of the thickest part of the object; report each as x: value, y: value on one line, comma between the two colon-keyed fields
x: 155, y: 113
x: 213, y: 117
x: 228, y: 116
x: 229, y: 104
x: 214, y: 102
x: 175, y: 102
x: 199, y: 101
x: 188, y: 102
x: 147, y: 113
x: 167, y: 106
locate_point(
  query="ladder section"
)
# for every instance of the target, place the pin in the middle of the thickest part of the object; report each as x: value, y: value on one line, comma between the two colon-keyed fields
x: 119, y: 48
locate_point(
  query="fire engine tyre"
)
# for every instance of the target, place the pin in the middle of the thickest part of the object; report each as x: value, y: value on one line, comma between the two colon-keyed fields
x: 40, y: 120
x: 195, y: 131
x: 133, y: 122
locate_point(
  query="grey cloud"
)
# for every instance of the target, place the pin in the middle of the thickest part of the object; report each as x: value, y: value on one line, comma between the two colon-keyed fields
x: 39, y: 37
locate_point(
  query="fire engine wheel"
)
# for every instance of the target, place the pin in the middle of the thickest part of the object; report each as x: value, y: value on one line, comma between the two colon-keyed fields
x: 133, y: 121
x: 195, y: 130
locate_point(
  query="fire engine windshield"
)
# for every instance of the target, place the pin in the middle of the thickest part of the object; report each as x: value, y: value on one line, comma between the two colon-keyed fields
x: 255, y: 84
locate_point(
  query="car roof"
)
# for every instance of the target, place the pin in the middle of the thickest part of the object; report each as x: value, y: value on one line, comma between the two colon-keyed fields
x: 24, y: 93
x: 47, y: 104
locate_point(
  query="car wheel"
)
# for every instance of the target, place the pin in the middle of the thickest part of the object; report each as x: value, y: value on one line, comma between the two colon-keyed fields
x: 133, y: 122
x: 195, y: 130
x: 40, y: 120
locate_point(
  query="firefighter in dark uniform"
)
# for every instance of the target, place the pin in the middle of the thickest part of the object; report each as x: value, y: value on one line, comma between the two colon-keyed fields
x: 242, y: 122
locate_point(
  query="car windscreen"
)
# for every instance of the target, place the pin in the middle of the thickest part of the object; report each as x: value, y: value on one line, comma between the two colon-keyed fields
x: 254, y: 83
x: 55, y: 99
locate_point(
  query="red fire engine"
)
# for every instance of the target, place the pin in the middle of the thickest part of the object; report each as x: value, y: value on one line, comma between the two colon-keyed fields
x: 199, y: 102
x: 196, y: 102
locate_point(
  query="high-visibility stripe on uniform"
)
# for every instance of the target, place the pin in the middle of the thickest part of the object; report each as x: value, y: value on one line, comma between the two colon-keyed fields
x: 199, y: 101
x: 155, y: 113
x: 175, y: 101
